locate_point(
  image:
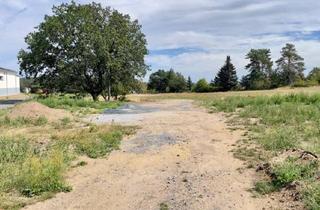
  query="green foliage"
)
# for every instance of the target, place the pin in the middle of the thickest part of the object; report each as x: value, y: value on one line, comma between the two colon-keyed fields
x: 290, y: 66
x: 260, y: 70
x: 226, y: 78
x: 202, y: 86
x: 84, y: 48
x: 167, y: 82
x: 189, y: 84
x: 289, y: 171
x: 314, y: 75
x: 81, y: 105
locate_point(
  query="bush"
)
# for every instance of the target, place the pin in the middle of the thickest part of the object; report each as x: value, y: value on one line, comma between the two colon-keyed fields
x: 291, y: 170
x: 202, y: 86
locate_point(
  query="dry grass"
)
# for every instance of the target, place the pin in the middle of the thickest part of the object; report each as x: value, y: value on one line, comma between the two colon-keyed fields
x: 37, y: 145
x: 208, y: 96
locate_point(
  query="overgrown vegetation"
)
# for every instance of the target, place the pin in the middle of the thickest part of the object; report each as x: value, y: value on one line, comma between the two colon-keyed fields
x: 77, y: 105
x: 278, y: 123
x: 35, y: 153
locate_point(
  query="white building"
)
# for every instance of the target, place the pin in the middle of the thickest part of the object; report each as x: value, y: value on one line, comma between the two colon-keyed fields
x: 9, y: 82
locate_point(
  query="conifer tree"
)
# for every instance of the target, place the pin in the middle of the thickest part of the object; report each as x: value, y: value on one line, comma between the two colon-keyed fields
x: 290, y: 65
x: 260, y: 69
x: 189, y: 84
x: 226, y: 78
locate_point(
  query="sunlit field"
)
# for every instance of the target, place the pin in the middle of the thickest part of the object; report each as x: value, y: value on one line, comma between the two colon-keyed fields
x: 279, y: 124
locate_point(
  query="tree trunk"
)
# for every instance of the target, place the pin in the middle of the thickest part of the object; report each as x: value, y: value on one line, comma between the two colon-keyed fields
x: 95, y: 97
x: 109, y: 91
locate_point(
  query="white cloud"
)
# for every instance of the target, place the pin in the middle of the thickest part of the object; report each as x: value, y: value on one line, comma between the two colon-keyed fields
x: 215, y: 28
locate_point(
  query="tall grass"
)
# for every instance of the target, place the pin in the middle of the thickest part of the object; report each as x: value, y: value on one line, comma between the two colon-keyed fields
x: 285, y: 121
x: 81, y: 105
x: 22, y: 121
x: 36, y: 170
x: 281, y: 122
x: 22, y: 169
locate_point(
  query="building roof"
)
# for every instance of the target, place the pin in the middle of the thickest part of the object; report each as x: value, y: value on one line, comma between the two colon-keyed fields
x: 9, y: 70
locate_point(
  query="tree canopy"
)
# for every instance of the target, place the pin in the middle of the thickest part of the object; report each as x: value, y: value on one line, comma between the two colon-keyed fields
x: 85, y: 48
x: 290, y: 65
x: 167, y: 81
x: 260, y: 69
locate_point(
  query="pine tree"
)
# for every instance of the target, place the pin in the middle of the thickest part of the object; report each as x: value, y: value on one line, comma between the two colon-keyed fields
x: 189, y: 84
x: 260, y: 69
x: 290, y: 65
x: 226, y: 78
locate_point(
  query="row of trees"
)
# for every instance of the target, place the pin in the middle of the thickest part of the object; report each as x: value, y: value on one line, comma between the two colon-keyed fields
x: 85, y: 49
x: 289, y: 71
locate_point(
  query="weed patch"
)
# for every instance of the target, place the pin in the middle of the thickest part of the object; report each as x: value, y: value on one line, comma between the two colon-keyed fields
x: 77, y: 105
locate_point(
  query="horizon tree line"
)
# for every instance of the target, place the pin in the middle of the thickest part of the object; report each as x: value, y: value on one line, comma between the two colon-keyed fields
x: 261, y: 74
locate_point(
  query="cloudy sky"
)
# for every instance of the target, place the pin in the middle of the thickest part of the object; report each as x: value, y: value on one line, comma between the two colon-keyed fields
x: 191, y: 36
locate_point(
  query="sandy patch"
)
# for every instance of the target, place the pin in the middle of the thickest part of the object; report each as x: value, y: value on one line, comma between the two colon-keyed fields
x: 35, y: 110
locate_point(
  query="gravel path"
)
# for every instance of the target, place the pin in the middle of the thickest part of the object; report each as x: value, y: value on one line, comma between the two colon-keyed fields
x: 180, y: 157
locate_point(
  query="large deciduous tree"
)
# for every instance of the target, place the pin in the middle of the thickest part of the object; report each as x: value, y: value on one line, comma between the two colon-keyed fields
x: 260, y: 69
x: 85, y: 48
x: 290, y: 65
x: 226, y: 78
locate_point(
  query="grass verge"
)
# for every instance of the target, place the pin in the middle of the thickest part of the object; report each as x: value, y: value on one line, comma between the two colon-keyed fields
x: 277, y: 124
x: 77, y: 105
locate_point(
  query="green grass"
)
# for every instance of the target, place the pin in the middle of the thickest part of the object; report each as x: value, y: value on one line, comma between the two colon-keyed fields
x: 281, y: 122
x: 311, y: 196
x: 29, y: 169
x: 78, y: 105
x: 6, y: 121
x: 29, y: 172
x: 284, y: 122
x: 291, y: 170
x: 94, y: 141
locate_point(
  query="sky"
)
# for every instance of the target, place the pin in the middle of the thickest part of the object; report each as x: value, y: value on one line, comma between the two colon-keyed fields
x: 191, y: 36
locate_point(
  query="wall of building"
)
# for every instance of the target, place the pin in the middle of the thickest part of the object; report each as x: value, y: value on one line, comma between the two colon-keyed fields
x: 9, y: 83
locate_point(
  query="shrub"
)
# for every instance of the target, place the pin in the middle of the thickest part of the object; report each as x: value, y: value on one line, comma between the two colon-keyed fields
x: 291, y: 170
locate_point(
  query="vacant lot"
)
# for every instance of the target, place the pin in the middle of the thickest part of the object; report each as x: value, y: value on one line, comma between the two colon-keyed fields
x: 237, y: 150
x: 283, y: 138
x: 39, y: 144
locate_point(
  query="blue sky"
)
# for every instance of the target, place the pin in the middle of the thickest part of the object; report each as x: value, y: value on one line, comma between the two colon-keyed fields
x: 191, y: 36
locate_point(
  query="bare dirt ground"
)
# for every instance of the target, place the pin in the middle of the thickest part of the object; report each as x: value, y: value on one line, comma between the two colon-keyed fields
x: 180, y: 157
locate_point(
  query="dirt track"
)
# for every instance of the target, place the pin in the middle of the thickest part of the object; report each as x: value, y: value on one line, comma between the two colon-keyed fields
x: 180, y: 156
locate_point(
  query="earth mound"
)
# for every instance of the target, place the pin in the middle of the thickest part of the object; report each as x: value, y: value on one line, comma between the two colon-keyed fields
x: 36, y: 110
